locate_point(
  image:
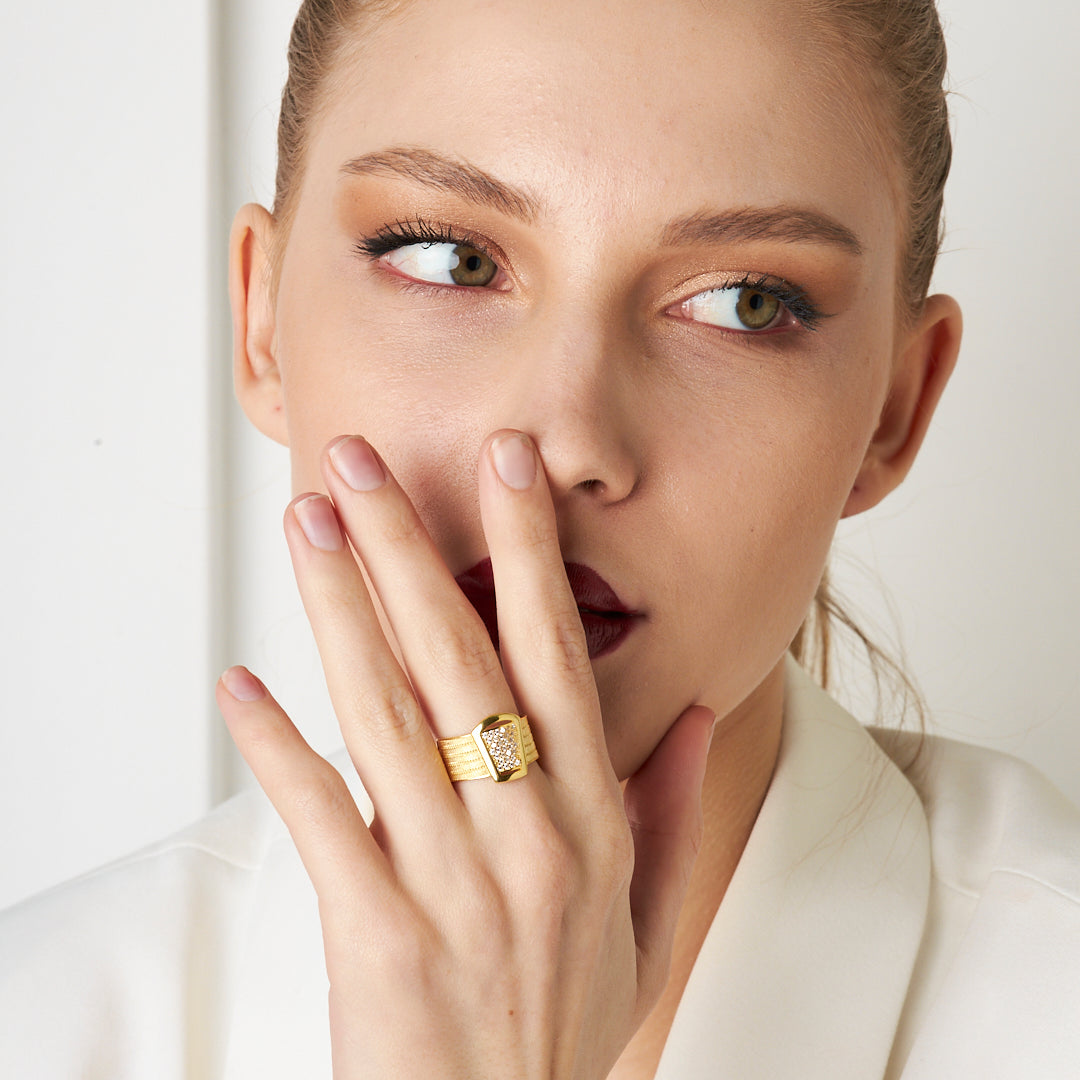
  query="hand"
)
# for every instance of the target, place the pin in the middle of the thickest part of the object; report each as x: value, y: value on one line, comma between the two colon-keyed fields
x: 521, y: 929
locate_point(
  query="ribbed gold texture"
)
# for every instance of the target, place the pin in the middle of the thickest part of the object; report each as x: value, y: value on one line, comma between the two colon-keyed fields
x: 465, y: 761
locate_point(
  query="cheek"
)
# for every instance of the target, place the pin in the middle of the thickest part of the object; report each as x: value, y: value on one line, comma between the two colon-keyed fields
x: 761, y: 511
x: 347, y: 370
x: 427, y: 421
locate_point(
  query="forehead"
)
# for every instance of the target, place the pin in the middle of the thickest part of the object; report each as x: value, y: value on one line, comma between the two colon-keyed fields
x: 604, y: 109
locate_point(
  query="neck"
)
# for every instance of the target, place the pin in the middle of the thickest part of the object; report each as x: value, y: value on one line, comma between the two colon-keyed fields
x: 741, y: 761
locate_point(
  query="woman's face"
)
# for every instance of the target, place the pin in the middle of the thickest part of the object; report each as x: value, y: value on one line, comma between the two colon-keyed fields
x: 648, y: 180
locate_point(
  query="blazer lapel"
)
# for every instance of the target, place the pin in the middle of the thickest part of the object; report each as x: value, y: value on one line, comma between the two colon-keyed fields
x: 806, y: 967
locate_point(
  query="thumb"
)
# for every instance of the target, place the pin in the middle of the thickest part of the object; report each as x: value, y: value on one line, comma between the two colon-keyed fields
x: 663, y: 807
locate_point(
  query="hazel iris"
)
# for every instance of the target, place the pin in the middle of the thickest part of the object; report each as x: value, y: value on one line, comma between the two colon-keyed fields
x: 473, y: 267
x: 756, y: 309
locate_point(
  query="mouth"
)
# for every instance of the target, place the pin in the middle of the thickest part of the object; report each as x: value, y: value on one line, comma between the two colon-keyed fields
x: 605, y: 618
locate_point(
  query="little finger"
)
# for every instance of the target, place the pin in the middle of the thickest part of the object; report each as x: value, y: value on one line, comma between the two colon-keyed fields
x: 313, y: 800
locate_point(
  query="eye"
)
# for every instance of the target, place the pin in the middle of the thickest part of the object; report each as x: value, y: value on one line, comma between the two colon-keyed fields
x: 742, y: 308
x: 443, y: 263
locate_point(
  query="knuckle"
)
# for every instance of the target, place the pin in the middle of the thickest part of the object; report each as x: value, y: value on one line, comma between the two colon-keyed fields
x: 323, y: 797
x: 403, y: 950
x: 486, y: 919
x: 263, y: 740
x: 536, y: 533
x: 391, y: 714
x: 461, y: 650
x: 400, y: 526
x: 561, y: 642
x: 336, y: 595
x: 556, y: 873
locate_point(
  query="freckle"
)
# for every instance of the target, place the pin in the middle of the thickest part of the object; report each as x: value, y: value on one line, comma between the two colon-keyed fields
x: 511, y: 1012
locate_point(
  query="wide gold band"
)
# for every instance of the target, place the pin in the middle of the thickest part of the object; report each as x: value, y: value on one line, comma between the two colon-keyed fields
x: 500, y: 747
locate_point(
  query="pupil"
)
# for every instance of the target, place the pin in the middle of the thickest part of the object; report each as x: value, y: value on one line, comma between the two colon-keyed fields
x: 756, y: 301
x: 473, y: 263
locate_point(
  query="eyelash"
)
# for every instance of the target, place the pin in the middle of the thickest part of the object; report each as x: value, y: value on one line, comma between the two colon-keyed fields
x: 403, y: 233
x: 418, y: 231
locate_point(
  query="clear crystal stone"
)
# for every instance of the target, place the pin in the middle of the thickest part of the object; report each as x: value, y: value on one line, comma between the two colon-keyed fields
x: 503, y: 748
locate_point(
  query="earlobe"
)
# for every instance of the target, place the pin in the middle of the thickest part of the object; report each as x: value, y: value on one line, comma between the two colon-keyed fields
x: 922, y: 371
x: 256, y: 378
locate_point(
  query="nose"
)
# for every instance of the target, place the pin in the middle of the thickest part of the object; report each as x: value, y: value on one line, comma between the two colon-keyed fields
x: 572, y: 389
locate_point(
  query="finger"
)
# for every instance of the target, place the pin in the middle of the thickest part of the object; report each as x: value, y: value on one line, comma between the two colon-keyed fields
x: 663, y: 806
x: 384, y: 727
x: 313, y: 800
x: 542, y: 643
x: 447, y: 652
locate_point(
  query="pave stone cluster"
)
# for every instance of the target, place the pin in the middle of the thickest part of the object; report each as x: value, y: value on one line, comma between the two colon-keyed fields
x: 503, y: 748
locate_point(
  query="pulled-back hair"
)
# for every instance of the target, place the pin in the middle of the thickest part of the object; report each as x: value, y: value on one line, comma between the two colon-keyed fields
x: 322, y: 34
x: 896, y: 48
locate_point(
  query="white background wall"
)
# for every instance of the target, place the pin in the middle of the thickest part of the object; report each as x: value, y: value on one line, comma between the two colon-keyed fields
x: 141, y: 536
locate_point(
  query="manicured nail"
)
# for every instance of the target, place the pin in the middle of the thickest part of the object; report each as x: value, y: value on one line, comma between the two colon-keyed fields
x: 514, y: 460
x: 357, y: 464
x: 243, y: 685
x: 319, y: 522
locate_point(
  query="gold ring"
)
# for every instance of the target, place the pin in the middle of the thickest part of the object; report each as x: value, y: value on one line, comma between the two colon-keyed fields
x: 499, y: 746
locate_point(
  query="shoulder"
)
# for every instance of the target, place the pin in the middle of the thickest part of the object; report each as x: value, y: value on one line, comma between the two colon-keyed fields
x: 995, y: 990
x: 990, y: 814
x: 198, y: 956
x: 155, y: 882
x: 124, y: 955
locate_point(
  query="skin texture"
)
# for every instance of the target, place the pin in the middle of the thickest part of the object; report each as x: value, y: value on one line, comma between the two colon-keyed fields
x: 701, y: 471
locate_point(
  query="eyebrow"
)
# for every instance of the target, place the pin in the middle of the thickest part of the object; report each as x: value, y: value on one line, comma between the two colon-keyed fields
x: 456, y: 177
x: 446, y: 174
x: 784, y: 223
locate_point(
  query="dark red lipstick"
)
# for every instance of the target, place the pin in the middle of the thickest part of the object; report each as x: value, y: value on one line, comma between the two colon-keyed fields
x: 605, y: 618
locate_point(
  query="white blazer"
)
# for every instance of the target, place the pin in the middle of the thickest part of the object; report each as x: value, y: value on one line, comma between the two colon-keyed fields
x: 878, y: 926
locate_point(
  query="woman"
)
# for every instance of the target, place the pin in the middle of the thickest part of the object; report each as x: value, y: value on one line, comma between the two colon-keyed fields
x: 630, y: 309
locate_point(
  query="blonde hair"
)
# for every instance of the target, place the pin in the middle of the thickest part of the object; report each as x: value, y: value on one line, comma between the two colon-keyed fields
x: 896, y: 693
x: 898, y: 51
x: 323, y: 33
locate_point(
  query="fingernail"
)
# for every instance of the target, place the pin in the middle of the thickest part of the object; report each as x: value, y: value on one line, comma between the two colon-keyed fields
x: 319, y: 522
x: 514, y: 460
x: 242, y: 684
x: 357, y: 464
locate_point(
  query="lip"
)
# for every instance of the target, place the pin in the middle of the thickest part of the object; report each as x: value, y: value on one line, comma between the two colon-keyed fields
x: 604, y: 617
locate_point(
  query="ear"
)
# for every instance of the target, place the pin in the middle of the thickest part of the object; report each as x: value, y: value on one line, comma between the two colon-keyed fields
x: 256, y: 378
x: 924, y: 363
